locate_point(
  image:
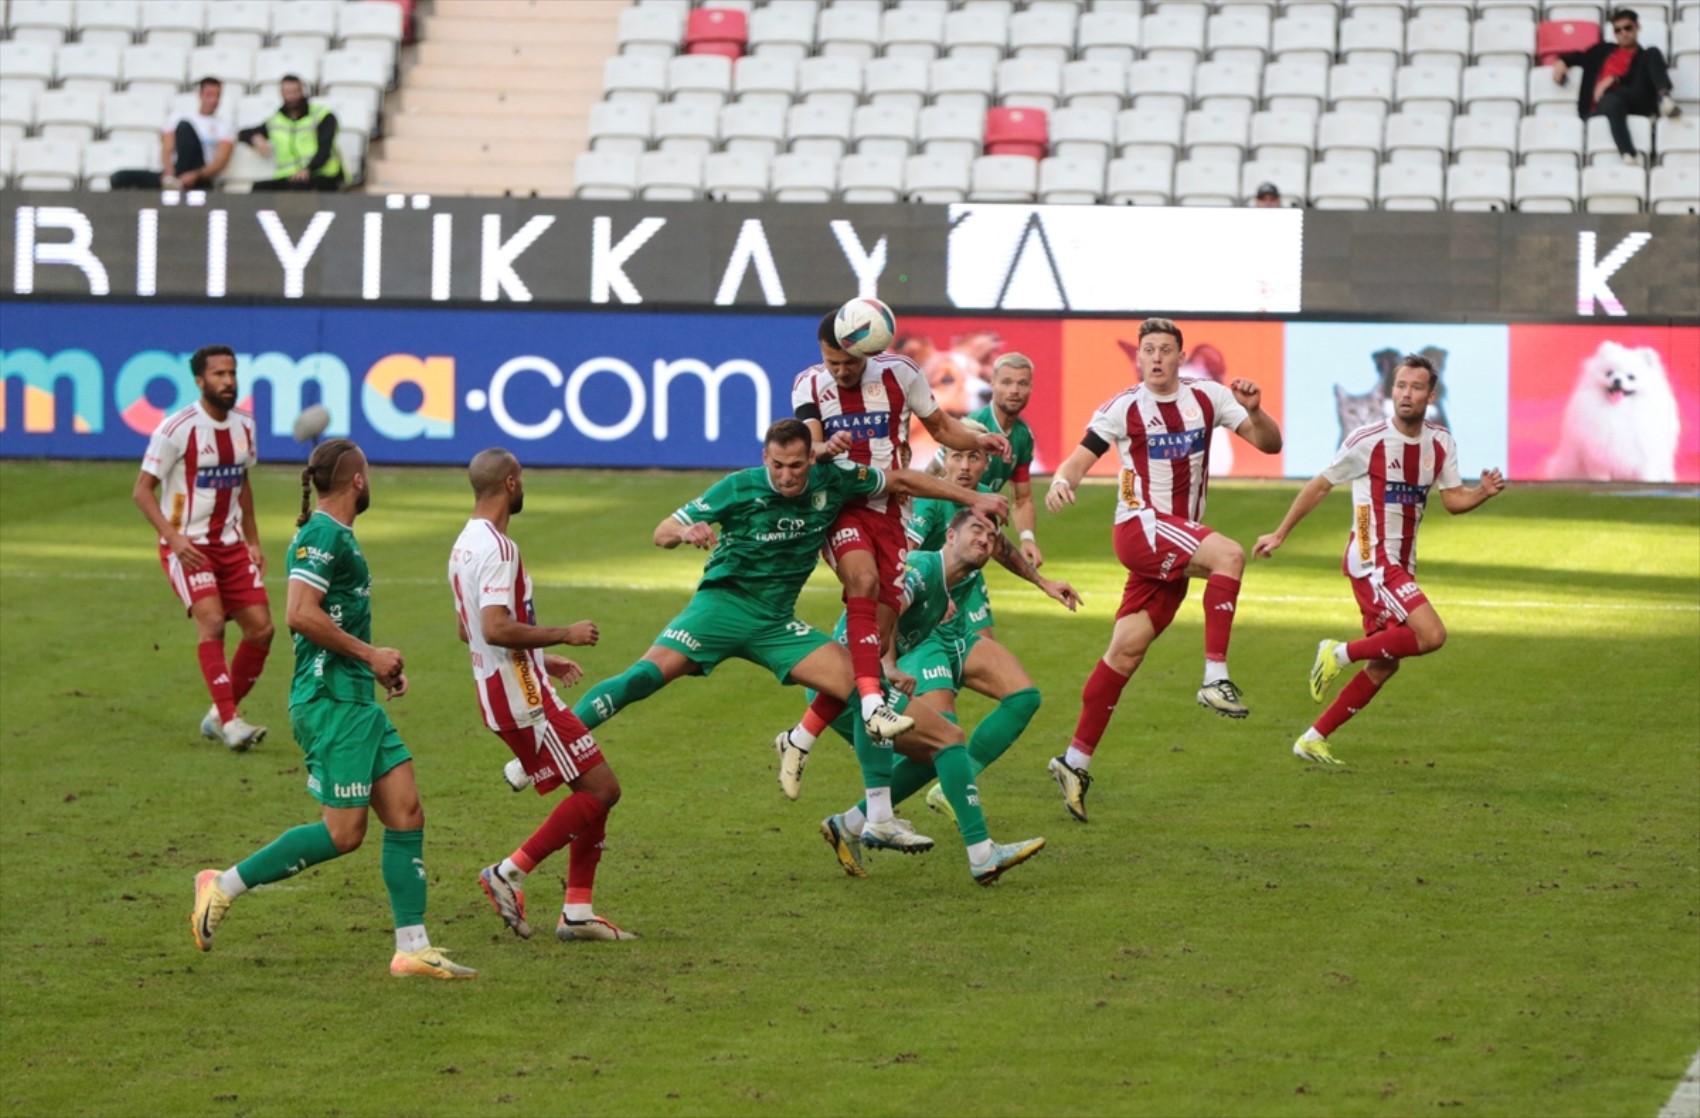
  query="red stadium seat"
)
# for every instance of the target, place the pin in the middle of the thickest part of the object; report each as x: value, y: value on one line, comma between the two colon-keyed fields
x: 1555, y: 37
x: 722, y: 31
x: 1017, y: 132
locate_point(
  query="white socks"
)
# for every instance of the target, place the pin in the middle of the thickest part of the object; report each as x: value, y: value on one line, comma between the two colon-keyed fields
x: 980, y: 851
x: 879, y: 805
x: 1215, y: 671
x: 871, y: 703
x: 231, y: 884
x: 511, y: 873
x: 801, y: 738
x: 1075, y: 759
x: 1341, y: 656
x: 412, y: 938
x: 854, y: 821
x: 1312, y: 735
x: 577, y: 911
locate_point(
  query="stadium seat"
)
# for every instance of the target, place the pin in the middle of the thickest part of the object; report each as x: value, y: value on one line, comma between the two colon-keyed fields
x: 1554, y: 141
x: 950, y: 131
x: 1105, y: 36
x: 1602, y: 149
x: 783, y: 31
x: 26, y: 64
x: 649, y: 30
x: 1460, y: 10
x: 271, y: 64
x: 1548, y: 98
x: 1478, y: 186
x: 824, y: 81
x: 1675, y: 189
x: 1283, y: 137
x: 175, y: 24
x: 1677, y: 139
x: 935, y: 178
x: 1498, y: 40
x: 871, y: 179
x: 639, y: 78
x: 1342, y: 186
x: 147, y: 65
x: 896, y: 81
x: 1437, y: 41
x: 1175, y: 32
x: 1044, y: 33
x: 1019, y: 132
x: 884, y: 130
x: 1296, y: 86
x: 135, y: 112
x: 730, y: 176
x: 17, y: 106
x: 972, y: 34
x: 353, y: 113
x: 1349, y: 137
x: 804, y: 178
x: 1484, y: 140
x: 1212, y: 135
x: 670, y: 176
x: 1372, y: 38
x: 1427, y: 88
x: 1361, y: 88
x: 236, y: 23
x: 1003, y: 178
x: 374, y: 25
x: 1207, y: 182
x: 706, y: 78
x: 767, y: 80
x: 103, y: 157
x: 1145, y: 135
x: 234, y: 66
x: 620, y: 126
x: 1305, y: 36
x: 112, y: 23
x: 1545, y: 188
x: 1228, y: 85
x: 1071, y: 180
x: 1029, y: 83
x: 605, y: 175
x: 912, y: 33
x: 1410, y: 186
x: 686, y: 127
x: 1685, y: 88
x: 717, y: 30
x: 1594, y: 12
x: 1685, y: 39
x: 92, y: 66
x: 1139, y: 181
x: 1494, y: 90
x: 356, y: 75
x: 1614, y: 188
x: 753, y: 128
x: 47, y: 22
x: 817, y: 130
x: 962, y: 82
x: 1095, y: 84
x: 46, y: 163
x: 1083, y: 133
x: 846, y: 35
x: 1556, y: 37
x: 1290, y: 176
x: 1526, y: 10
x: 68, y: 114
x: 1238, y: 34
x: 308, y: 24
x: 1159, y: 85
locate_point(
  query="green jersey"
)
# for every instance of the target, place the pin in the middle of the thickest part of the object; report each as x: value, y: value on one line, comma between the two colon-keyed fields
x: 929, y: 521
x: 326, y: 556
x: 1001, y: 471
x: 769, y: 544
x: 929, y: 601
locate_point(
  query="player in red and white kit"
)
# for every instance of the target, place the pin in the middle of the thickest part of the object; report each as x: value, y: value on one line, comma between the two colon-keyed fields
x: 1392, y: 466
x: 1161, y: 429
x: 209, y: 543
x: 858, y: 408
x: 493, y: 606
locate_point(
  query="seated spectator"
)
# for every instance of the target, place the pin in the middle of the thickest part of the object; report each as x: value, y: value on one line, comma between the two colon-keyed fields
x: 1619, y: 80
x: 193, y: 147
x: 301, y: 139
x: 1268, y: 196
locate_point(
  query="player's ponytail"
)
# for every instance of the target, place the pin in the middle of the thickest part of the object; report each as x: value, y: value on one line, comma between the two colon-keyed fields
x: 320, y: 473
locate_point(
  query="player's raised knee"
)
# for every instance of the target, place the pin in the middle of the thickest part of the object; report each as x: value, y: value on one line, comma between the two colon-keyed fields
x: 347, y: 834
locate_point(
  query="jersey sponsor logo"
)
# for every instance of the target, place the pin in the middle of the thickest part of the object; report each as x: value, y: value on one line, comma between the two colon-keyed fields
x: 1361, y: 514
x: 200, y: 580
x: 1404, y: 493
x: 817, y: 501
x: 527, y: 681
x: 355, y: 790
x: 581, y: 747
x: 179, y: 503
x: 1407, y: 591
x: 1169, y: 562
x: 1172, y: 445
x: 979, y: 614
x: 313, y: 554
x: 684, y: 637
x: 846, y: 536
x: 860, y: 426
x: 219, y: 477
x: 1129, y: 497
x: 792, y: 524
x: 935, y: 673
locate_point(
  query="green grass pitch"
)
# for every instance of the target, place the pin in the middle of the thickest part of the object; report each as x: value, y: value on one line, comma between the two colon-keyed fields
x: 1493, y: 910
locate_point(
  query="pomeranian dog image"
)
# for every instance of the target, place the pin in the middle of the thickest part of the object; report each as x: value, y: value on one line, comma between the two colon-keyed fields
x: 1622, y: 422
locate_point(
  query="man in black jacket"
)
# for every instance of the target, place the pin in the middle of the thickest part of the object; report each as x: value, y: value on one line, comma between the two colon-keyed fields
x: 1620, y: 79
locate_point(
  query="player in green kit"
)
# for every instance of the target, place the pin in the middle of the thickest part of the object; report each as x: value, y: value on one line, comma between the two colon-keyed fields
x: 1012, y: 387
x: 356, y: 761
x: 774, y: 519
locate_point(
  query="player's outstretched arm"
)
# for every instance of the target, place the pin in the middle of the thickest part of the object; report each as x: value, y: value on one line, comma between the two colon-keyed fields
x: 305, y: 614
x: 670, y: 533
x: 1309, y: 497
x: 1258, y: 427
x: 1018, y: 564
x: 1025, y: 514
x: 1068, y: 476
x: 948, y: 431
x: 913, y: 483
x: 1463, y: 498
x: 504, y: 630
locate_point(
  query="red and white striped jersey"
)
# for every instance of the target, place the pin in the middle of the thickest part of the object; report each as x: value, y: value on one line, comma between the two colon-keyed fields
x: 202, y: 463
x: 1391, y: 476
x: 485, y: 570
x: 1164, y: 443
x: 875, y: 414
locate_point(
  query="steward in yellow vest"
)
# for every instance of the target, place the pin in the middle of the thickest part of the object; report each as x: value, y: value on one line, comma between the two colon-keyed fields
x: 301, y: 139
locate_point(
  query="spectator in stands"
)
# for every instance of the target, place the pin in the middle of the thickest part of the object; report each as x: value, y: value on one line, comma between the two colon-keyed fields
x: 1620, y: 80
x: 1268, y: 196
x: 193, y: 147
x: 301, y: 139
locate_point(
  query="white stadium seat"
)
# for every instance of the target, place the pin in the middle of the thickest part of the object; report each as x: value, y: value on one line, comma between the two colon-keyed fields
x: 1342, y: 186
x: 47, y: 22
x: 846, y: 35
x: 1141, y: 134
x: 1677, y: 139
x: 1174, y: 32
x: 896, y: 81
x: 817, y: 130
x: 1215, y: 135
x: 1207, y: 182
x: 1239, y: 34
x: 1305, y: 35
x: 1603, y: 149
x: 1500, y: 40
x: 135, y: 112
x: 912, y: 33
x: 112, y: 23
x: 1614, y: 188
x: 1140, y: 181
x: 1029, y: 83
x: 236, y: 23
x: 705, y: 78
x: 1231, y: 85
x: 1044, y: 32
x: 273, y: 63
x: 1160, y: 85
x: 68, y: 114
x: 1484, y: 140
x: 178, y: 24
x: 1291, y: 177
x: 1106, y: 36
x: 1428, y: 88
x: 823, y: 81
x: 1361, y: 87
x: 1286, y: 137
x: 871, y: 178
x: 1071, y: 180
x: 730, y: 176
x: 1296, y: 86
x: 605, y: 175
x: 686, y: 127
x: 1437, y: 41
x: 234, y: 66
x: 962, y: 82
x: 93, y: 66
x: 1551, y: 140
x: 1349, y: 137
x: 153, y: 66
x: 634, y: 78
x: 649, y: 30
x: 25, y: 63
x: 1498, y: 90
x: 884, y: 130
x: 753, y: 128
x: 1478, y: 186
x: 103, y: 157
x: 765, y: 79
x: 311, y: 24
x: 1410, y: 186
x: 1083, y: 133
x: 620, y: 126
x: 1675, y: 189
x: 804, y: 178
x: 1372, y: 38
x: 782, y: 31
x: 1418, y: 138
x: 1095, y: 84
x: 1545, y: 188
x: 45, y: 163
x: 1545, y: 97
x: 935, y: 178
x: 976, y: 34
x: 951, y: 131
x: 374, y: 25
x: 669, y: 176
x: 1003, y: 178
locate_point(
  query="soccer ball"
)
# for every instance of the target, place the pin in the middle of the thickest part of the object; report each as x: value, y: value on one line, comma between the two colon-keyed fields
x: 865, y: 327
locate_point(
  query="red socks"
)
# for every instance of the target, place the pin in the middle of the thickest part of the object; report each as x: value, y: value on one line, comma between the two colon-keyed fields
x: 1390, y: 644
x: 862, y: 626
x: 1220, y: 594
x: 1097, y: 702
x: 577, y: 815
x: 245, y: 668
x: 217, y: 674
x: 821, y: 714
x: 586, y: 855
x: 1353, y: 697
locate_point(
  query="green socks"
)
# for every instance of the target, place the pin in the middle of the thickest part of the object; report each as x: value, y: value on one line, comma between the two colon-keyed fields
x: 999, y: 729
x: 404, y: 875
x: 956, y: 776
x: 611, y: 696
x: 875, y: 757
x: 288, y: 854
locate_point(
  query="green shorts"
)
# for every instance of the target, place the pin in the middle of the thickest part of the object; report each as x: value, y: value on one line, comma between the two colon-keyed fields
x: 717, y: 625
x: 936, y: 663
x: 348, y: 747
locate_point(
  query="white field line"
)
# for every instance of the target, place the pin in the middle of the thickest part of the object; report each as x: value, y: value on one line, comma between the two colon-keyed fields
x: 672, y: 584
x: 1685, y: 1100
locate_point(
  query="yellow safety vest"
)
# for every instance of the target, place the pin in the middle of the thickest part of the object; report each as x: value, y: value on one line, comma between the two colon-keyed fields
x: 296, y: 142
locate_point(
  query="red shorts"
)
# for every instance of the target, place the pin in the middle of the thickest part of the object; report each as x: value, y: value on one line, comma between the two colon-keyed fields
x: 1156, y: 564
x: 230, y: 576
x: 881, y: 535
x: 1386, y: 597
x: 554, y: 752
